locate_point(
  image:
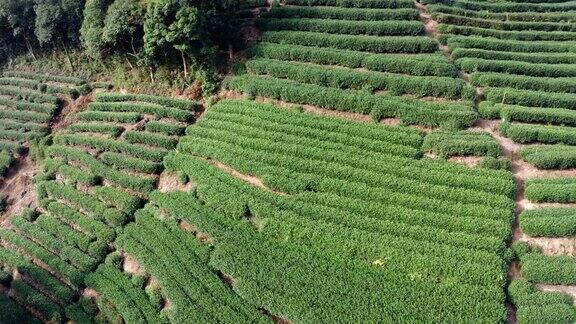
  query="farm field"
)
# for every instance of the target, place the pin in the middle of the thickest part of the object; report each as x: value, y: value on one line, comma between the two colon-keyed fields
x: 362, y: 161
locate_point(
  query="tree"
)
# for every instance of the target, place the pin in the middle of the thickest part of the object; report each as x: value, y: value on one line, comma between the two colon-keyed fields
x: 73, y: 14
x: 171, y: 24
x: 21, y: 18
x: 123, y: 23
x: 92, y: 26
x: 49, y: 22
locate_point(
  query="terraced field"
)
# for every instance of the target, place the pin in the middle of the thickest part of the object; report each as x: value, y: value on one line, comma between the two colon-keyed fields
x: 280, y: 201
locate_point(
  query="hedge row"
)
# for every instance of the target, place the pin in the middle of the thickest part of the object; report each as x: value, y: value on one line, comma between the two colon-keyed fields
x: 501, y: 80
x: 529, y: 133
x: 560, y: 17
x: 29, y: 95
x: 376, y: 44
x: 111, y: 129
x: 25, y: 116
x: 22, y: 126
x: 152, y: 139
x: 341, y: 13
x: 433, y: 65
x: 360, y: 138
x: 547, y: 269
x: 88, y: 224
x: 165, y: 128
x: 109, y: 116
x: 535, y: 306
x: 139, y: 184
x: 51, y: 311
x: 143, y: 108
x: 379, y: 106
x: 122, y: 161
x: 167, y: 252
x: 527, y: 35
x: 344, y: 78
x: 45, y: 77
x: 348, y: 27
x: 549, y: 222
x: 353, y: 3
x: 531, y: 69
x: 550, y: 156
x: 531, y: 98
x: 463, y: 143
x: 60, y: 265
x: 130, y: 301
x: 17, y: 261
x: 561, y: 190
x: 28, y: 106
x: 322, y: 167
x: 515, y: 6
x: 366, y: 137
x: 546, y: 57
x: 97, y: 209
x: 503, y: 25
x: 6, y: 161
x: 537, y: 115
x: 403, y: 249
x: 164, y: 101
x: 153, y: 155
x: 509, y: 45
x: 122, y: 200
x: 366, y: 294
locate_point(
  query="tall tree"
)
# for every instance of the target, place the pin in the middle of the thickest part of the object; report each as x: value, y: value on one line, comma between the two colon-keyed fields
x: 171, y: 24
x: 21, y: 18
x: 123, y: 24
x: 49, y: 22
x: 93, y: 25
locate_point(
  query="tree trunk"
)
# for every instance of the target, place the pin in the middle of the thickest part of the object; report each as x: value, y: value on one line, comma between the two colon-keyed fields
x: 29, y: 48
x: 151, y: 74
x: 184, y: 65
x: 68, y: 56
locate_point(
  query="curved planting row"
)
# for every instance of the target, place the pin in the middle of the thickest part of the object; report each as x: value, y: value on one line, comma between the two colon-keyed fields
x: 522, y: 55
x: 338, y: 37
x: 96, y: 175
x: 356, y: 198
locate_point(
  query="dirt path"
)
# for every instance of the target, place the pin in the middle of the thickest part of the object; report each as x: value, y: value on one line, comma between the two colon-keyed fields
x: 510, y: 149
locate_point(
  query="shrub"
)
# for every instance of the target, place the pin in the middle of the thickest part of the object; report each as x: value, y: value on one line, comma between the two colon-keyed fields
x: 348, y: 78
x: 167, y: 102
x: 509, y: 45
x: 531, y: 98
x: 537, y: 115
x: 349, y: 27
x: 446, y: 144
x: 341, y: 13
x: 353, y: 3
x: 409, y: 111
x: 561, y: 190
x: 550, y: 156
x: 512, y: 67
x: 527, y: 35
x: 502, y: 80
x: 432, y: 65
x: 546, y: 57
x: 548, y: 222
x: 386, y: 44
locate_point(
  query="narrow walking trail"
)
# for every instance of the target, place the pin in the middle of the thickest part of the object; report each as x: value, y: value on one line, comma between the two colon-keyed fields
x: 510, y: 150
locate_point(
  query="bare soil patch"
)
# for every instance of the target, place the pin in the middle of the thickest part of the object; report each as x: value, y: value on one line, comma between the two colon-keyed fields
x: 552, y: 245
x: 255, y: 181
x: 568, y: 290
x: 168, y: 182
x: 18, y: 186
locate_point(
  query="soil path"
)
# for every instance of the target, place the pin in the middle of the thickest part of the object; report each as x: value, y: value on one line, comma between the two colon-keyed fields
x: 510, y: 150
